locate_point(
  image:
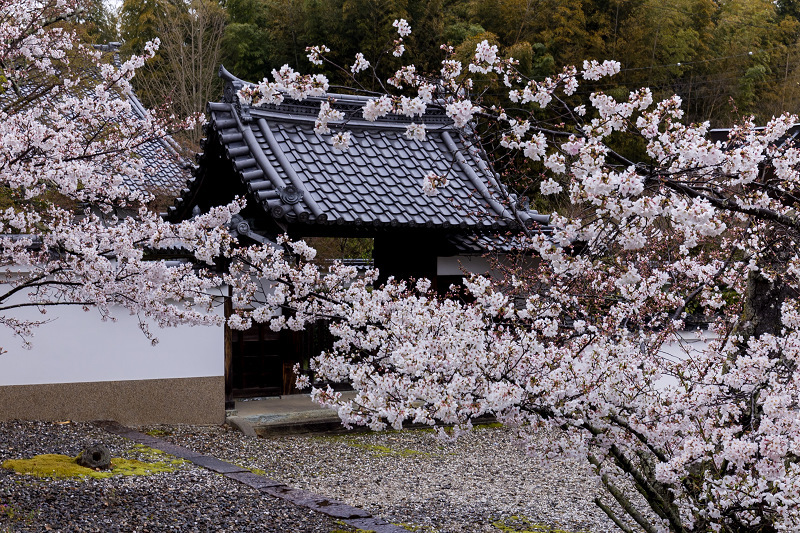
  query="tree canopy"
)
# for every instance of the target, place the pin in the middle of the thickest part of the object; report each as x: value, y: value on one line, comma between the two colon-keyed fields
x: 724, y: 59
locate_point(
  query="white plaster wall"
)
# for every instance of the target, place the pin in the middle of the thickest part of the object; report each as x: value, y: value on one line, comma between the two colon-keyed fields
x: 77, y: 346
x: 686, y: 344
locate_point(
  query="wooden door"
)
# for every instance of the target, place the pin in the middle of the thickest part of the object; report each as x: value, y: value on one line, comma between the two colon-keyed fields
x: 257, y: 362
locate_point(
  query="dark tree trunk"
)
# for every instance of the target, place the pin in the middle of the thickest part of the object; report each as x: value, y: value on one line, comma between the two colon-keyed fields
x: 762, y: 306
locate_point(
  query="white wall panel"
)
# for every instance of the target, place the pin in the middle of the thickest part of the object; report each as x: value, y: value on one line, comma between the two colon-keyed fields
x: 77, y: 346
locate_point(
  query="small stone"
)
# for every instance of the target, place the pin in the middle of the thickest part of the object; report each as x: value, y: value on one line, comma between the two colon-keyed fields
x: 96, y: 457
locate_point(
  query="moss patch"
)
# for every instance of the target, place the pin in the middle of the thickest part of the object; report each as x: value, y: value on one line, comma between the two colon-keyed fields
x: 62, y: 466
x: 520, y: 524
x: 345, y: 528
x: 379, y: 450
x: 354, y: 441
x: 158, y: 433
x: 146, y: 453
x: 489, y: 425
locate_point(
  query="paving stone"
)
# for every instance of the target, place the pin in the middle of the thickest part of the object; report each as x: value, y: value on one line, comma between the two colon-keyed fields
x: 124, y: 431
x: 266, y: 485
x: 338, y: 510
x: 318, y: 503
x: 177, y: 451
x: 220, y: 467
x: 375, y: 524
x: 253, y: 480
x: 287, y: 493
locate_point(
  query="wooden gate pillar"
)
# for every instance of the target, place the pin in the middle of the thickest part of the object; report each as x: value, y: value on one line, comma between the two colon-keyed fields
x: 228, y: 310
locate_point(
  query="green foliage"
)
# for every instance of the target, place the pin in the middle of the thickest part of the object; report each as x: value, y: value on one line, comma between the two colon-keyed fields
x: 330, y: 248
x: 722, y: 58
x: 63, y: 466
x: 461, y: 31
x: 140, y: 19
x: 534, y: 60
x: 99, y: 23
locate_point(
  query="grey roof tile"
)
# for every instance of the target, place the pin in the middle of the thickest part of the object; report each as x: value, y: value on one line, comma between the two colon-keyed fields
x: 378, y: 180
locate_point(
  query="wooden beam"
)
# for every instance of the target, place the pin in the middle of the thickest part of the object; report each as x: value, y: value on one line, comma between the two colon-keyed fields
x: 228, y: 310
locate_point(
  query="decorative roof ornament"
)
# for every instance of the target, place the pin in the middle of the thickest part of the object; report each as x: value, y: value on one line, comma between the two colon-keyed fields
x: 230, y: 94
x: 290, y: 194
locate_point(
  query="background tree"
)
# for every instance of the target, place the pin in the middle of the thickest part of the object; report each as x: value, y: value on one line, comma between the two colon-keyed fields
x: 721, y: 58
x: 184, y: 74
x: 140, y: 22
x: 99, y: 23
x: 247, y: 47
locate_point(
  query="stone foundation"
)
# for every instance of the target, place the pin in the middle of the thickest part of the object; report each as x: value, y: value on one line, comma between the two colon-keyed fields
x: 150, y: 401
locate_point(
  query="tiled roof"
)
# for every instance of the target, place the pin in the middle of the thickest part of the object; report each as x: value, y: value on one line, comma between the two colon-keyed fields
x: 166, y: 171
x: 298, y: 177
x: 480, y: 243
x: 791, y: 135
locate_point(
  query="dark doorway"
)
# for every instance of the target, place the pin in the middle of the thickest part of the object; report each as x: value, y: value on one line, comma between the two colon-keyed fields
x: 257, y: 364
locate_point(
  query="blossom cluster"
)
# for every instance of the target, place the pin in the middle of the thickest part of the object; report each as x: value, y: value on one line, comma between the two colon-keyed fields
x: 287, y: 82
x: 315, y: 53
x: 360, y: 64
x: 326, y: 114
x: 403, y: 28
x: 432, y: 182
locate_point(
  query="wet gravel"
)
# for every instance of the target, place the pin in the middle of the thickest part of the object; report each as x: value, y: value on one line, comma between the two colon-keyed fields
x: 189, y: 499
x: 414, y: 479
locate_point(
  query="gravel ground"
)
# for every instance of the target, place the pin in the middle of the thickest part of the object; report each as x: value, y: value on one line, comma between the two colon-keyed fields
x: 409, y: 478
x: 413, y: 479
x: 189, y: 499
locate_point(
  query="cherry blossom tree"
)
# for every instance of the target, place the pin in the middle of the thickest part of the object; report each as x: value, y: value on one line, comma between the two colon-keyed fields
x: 679, y: 223
x: 665, y: 223
x: 73, y: 232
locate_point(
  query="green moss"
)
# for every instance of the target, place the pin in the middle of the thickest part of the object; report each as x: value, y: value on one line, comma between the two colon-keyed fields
x: 377, y: 449
x: 63, y: 466
x: 158, y: 433
x: 345, y: 528
x: 354, y: 441
x: 491, y: 425
x: 520, y: 524
x: 148, y: 454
